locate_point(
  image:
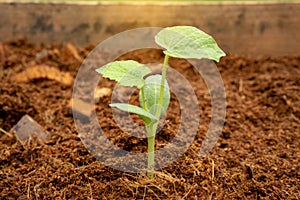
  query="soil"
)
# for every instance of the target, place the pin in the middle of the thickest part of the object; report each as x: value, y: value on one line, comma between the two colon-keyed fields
x: 256, y: 157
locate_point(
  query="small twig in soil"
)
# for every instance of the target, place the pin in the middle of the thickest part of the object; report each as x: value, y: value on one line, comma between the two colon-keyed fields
x: 130, y: 184
x: 144, y: 195
x: 36, y: 189
x: 28, y: 191
x: 159, y: 188
x: 6, y: 133
x: 91, y: 192
x: 212, y: 169
x: 241, y: 85
x: 166, y: 176
x: 192, y: 187
x: 150, y: 190
x: 210, y: 196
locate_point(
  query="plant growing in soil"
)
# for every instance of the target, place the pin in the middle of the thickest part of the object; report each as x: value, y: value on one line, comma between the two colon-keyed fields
x: 180, y: 42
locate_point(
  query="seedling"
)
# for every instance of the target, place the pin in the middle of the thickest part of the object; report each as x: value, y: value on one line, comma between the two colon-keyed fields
x: 180, y: 42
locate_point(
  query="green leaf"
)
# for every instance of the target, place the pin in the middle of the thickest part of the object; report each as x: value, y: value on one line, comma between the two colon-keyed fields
x: 188, y: 42
x: 126, y: 73
x: 144, y: 115
x: 152, y: 92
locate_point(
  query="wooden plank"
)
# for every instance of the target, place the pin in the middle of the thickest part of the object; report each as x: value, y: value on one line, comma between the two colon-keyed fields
x: 256, y: 29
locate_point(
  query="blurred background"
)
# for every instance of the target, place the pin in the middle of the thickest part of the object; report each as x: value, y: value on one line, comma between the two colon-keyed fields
x: 244, y: 27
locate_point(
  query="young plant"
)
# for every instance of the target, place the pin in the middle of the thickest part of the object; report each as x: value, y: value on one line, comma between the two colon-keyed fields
x: 180, y: 42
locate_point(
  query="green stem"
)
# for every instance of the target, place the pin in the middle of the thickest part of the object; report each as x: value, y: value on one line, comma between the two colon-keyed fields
x: 162, y: 85
x: 151, y: 129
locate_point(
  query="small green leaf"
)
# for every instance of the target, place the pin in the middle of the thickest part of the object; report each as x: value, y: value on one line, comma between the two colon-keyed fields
x: 126, y: 73
x: 144, y: 115
x: 152, y: 92
x: 188, y: 42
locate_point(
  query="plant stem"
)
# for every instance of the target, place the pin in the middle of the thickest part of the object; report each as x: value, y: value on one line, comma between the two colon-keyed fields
x: 151, y: 129
x: 162, y: 86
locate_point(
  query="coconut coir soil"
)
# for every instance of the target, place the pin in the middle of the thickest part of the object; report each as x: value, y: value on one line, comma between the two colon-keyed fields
x: 256, y: 157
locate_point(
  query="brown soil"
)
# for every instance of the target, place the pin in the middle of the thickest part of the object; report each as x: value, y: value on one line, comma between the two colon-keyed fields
x: 256, y: 157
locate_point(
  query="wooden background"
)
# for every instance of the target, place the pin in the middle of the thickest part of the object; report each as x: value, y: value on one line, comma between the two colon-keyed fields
x: 256, y: 29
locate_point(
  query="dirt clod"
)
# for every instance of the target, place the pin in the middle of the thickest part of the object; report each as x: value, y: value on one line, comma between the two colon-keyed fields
x: 43, y: 72
x: 27, y: 128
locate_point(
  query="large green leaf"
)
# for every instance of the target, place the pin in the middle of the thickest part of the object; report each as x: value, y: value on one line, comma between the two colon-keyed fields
x: 152, y: 93
x: 145, y: 115
x: 188, y: 42
x: 126, y: 73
